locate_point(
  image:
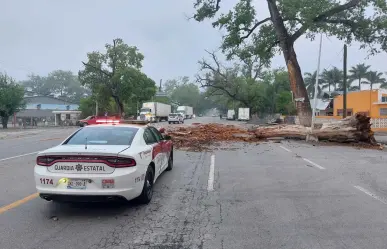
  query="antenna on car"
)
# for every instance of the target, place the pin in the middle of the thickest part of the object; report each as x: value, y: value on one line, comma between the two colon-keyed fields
x: 86, y: 143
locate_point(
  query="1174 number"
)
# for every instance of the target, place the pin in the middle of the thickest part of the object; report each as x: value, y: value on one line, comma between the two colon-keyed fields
x: 46, y: 181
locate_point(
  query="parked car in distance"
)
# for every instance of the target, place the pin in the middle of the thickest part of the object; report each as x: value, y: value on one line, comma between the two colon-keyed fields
x: 175, y: 118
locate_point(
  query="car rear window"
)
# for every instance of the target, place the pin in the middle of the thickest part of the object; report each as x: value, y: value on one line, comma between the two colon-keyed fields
x: 111, y: 135
x: 172, y: 115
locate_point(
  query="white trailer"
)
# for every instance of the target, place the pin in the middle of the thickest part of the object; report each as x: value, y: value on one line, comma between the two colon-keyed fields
x: 244, y: 114
x: 187, y: 111
x: 231, y: 114
x: 155, y: 111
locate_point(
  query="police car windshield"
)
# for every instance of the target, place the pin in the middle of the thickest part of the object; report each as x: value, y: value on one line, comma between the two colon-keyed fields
x: 103, y: 135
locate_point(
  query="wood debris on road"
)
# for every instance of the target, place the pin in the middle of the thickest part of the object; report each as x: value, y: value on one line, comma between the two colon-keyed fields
x: 354, y: 130
x: 199, y: 137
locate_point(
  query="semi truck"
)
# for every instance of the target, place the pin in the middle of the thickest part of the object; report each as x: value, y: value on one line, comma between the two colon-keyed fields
x: 243, y: 114
x: 154, y: 111
x: 186, y: 111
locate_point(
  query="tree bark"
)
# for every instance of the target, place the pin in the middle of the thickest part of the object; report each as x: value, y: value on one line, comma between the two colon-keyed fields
x: 298, y: 88
x: 352, y: 129
x: 4, y: 122
x: 297, y: 85
x: 120, y: 105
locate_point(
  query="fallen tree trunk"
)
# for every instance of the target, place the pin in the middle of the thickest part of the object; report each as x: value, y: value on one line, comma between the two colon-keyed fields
x: 356, y: 128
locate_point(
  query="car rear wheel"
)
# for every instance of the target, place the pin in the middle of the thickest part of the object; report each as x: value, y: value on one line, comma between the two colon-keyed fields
x: 170, y: 162
x: 147, y: 190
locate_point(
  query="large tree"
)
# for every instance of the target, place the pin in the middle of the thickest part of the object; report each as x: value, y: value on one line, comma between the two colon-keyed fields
x: 238, y: 82
x: 11, y: 98
x: 60, y: 83
x: 117, y: 72
x: 288, y: 20
x: 65, y: 85
x: 37, y: 84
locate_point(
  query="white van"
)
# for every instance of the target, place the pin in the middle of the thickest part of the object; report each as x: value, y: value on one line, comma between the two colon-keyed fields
x: 175, y: 118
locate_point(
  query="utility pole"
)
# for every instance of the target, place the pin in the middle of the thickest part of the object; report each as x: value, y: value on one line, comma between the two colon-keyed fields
x: 345, y: 82
x: 316, y: 83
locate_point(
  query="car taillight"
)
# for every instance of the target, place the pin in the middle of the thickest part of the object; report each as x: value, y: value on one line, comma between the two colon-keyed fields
x: 44, y: 160
x: 115, y: 162
x: 121, y: 162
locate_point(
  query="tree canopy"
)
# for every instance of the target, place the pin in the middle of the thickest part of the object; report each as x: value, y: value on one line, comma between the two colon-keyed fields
x: 11, y: 98
x: 116, y: 73
x: 289, y: 20
x: 62, y: 84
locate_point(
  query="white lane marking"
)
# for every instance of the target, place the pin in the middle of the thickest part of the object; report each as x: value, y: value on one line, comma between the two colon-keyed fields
x: 365, y: 191
x: 12, y: 157
x: 314, y: 164
x: 282, y: 147
x: 211, y: 175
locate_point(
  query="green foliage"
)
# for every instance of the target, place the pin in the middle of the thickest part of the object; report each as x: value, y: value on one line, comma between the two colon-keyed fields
x: 310, y: 82
x: 348, y: 21
x: 11, y: 98
x: 116, y: 73
x: 374, y: 77
x: 332, y: 79
x: 284, y: 103
x: 232, y: 89
x: 87, y: 107
x: 63, y: 84
x: 358, y: 72
x: 182, y: 91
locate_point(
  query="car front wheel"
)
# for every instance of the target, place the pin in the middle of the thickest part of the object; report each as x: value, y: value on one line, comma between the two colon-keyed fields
x: 147, y: 190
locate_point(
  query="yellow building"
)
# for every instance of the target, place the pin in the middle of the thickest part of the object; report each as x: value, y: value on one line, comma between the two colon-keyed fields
x: 373, y: 103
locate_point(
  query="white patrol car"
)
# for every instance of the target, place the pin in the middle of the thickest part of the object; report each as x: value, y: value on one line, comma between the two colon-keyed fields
x: 104, y: 162
x: 175, y: 118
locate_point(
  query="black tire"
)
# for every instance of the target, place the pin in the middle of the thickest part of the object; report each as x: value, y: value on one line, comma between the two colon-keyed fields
x: 170, y: 122
x: 170, y: 162
x: 147, y: 190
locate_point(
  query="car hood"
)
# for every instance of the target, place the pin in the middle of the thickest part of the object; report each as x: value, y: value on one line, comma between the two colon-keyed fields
x: 101, y: 150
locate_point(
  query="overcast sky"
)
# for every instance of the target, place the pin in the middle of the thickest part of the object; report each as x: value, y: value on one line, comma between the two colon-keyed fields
x: 43, y: 35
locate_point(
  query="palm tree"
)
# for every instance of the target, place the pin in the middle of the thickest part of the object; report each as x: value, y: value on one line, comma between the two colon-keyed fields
x: 374, y: 77
x: 310, y: 82
x: 333, y: 78
x: 358, y: 73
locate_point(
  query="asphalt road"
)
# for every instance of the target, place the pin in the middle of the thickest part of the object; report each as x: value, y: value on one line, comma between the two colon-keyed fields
x: 265, y: 195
